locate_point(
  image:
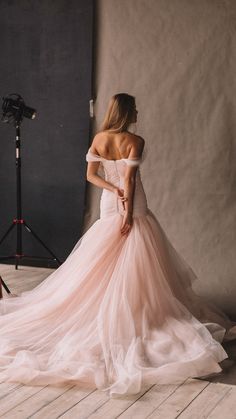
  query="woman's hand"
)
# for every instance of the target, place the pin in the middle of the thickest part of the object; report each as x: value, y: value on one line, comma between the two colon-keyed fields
x: 120, y: 195
x: 127, y: 223
x: 127, y: 217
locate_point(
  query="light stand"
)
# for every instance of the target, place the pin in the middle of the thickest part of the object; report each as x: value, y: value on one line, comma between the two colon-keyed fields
x: 19, y: 222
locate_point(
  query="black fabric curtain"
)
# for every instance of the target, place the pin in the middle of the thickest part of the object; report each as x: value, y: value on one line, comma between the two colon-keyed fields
x: 46, y: 57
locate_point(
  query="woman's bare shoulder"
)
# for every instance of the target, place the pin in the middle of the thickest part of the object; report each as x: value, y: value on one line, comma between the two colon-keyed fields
x: 97, y: 139
x: 136, y: 139
x: 135, y: 145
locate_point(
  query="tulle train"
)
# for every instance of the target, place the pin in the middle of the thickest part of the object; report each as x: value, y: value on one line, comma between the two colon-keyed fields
x: 119, y: 312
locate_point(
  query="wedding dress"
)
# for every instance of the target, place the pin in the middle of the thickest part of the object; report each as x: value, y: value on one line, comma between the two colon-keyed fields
x: 118, y: 313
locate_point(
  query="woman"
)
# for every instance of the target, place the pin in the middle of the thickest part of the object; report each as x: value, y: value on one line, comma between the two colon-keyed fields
x: 120, y: 311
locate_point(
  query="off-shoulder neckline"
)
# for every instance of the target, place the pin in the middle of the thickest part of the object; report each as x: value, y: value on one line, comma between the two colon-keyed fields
x: 103, y: 158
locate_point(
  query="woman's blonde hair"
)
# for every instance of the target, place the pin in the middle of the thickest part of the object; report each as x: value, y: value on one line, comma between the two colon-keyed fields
x: 119, y: 113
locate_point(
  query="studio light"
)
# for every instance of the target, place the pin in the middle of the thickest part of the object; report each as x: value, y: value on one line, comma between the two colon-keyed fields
x: 14, y: 109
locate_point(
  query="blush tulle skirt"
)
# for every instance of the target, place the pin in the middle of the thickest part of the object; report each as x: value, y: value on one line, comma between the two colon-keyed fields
x: 119, y: 313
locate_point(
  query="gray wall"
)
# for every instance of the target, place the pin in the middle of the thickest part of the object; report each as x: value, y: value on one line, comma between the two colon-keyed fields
x: 46, y: 56
x: 178, y: 58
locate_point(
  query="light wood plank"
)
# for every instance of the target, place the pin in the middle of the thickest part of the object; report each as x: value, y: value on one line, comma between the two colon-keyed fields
x: 158, y: 404
x: 36, y: 402
x: 87, y: 406
x: 24, y: 278
x: 126, y: 405
x: 20, y: 394
x: 226, y: 408
x: 7, y: 388
x: 203, y: 405
x: 63, y: 403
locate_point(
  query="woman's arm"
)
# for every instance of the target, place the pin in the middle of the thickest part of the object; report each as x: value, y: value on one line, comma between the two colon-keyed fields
x: 97, y: 180
x: 129, y: 186
x: 130, y: 174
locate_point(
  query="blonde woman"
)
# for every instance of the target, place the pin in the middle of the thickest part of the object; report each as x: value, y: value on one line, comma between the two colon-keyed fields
x: 120, y: 312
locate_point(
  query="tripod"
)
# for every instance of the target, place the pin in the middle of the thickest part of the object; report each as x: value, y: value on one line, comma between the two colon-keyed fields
x: 19, y: 222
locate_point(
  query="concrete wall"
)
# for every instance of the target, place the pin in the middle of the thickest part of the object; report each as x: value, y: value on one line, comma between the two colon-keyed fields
x: 177, y: 57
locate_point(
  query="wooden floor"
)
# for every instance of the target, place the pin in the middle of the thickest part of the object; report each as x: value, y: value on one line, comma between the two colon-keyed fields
x: 195, y: 399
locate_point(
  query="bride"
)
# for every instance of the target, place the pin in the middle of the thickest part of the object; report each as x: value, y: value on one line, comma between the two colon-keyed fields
x: 120, y: 312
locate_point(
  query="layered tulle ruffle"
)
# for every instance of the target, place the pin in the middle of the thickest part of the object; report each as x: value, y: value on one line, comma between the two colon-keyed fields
x: 119, y: 312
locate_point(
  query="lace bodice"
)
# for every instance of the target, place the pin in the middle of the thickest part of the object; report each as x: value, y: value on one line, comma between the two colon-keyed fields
x: 114, y: 173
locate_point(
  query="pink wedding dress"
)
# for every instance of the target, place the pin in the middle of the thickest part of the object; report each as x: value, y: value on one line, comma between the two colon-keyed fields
x: 118, y: 313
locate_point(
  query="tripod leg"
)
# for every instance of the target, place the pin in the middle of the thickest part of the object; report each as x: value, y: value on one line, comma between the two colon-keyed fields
x: 16, y: 262
x: 7, y: 232
x: 41, y: 242
x: 4, y: 286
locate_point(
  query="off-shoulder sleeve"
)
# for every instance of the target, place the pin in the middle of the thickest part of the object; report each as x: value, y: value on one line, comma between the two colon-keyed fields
x: 133, y: 162
x: 90, y: 156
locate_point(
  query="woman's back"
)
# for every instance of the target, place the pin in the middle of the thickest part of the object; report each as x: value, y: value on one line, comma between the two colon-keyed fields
x: 112, y: 151
x: 115, y: 146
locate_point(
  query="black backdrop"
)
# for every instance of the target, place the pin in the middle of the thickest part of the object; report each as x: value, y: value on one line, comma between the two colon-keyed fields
x: 46, y: 57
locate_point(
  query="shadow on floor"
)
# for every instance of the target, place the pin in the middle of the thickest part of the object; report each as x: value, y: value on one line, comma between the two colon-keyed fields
x: 228, y: 374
